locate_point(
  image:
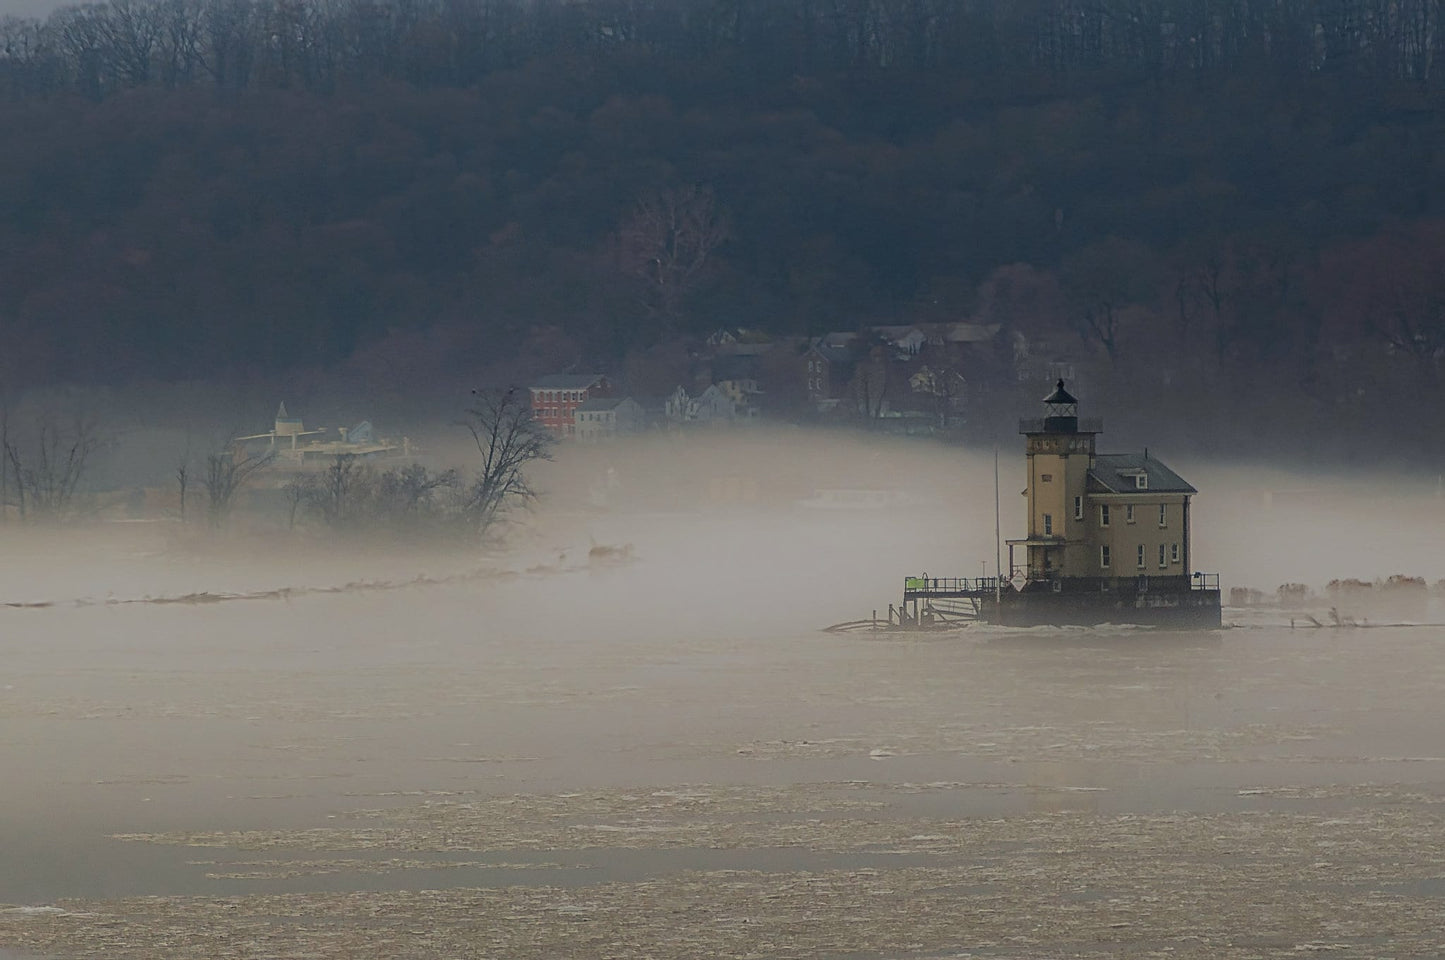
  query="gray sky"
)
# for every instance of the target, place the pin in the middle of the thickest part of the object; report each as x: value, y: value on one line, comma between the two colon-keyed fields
x: 30, y: 8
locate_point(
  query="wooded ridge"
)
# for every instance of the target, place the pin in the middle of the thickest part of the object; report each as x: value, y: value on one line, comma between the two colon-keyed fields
x: 1234, y: 203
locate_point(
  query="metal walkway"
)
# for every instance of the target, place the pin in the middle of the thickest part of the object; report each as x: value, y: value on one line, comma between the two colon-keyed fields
x: 948, y: 588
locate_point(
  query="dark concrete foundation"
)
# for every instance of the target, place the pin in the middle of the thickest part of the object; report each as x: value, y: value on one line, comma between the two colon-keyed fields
x: 1086, y: 601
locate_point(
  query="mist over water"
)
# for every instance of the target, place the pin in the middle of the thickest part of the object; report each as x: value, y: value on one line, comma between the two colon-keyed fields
x: 623, y: 733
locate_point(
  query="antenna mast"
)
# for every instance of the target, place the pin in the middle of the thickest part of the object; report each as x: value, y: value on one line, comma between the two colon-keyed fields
x: 997, y: 549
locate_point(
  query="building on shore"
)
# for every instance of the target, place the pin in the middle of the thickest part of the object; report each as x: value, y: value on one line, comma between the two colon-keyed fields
x: 292, y: 447
x: 554, y: 399
x: 608, y: 417
x: 1108, y: 541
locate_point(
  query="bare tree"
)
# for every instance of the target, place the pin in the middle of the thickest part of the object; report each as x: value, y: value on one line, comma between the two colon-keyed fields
x: 341, y: 486
x: 946, y: 390
x: 408, y: 491
x: 1102, y: 282
x: 80, y: 39
x: 508, y: 439
x: 872, y: 378
x: 870, y: 387
x: 130, y: 31
x: 4, y: 458
x: 179, y: 46
x: 300, y: 490
x: 1201, y: 286
x: 1395, y: 282
x: 668, y: 242
x: 49, y: 467
x: 230, y: 32
x: 183, y: 482
x: 226, y: 473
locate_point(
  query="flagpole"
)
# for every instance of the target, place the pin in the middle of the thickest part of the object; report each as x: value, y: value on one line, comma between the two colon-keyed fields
x: 997, y: 543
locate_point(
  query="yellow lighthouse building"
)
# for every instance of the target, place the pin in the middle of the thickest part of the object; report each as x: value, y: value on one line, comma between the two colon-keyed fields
x: 1101, y: 516
x: 1108, y: 542
x: 1108, y: 533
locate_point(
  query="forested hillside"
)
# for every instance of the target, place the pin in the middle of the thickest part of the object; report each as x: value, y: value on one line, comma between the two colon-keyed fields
x: 1233, y: 206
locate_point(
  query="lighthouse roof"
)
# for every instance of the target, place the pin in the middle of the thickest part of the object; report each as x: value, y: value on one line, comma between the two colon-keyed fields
x: 1120, y: 473
x: 1060, y: 395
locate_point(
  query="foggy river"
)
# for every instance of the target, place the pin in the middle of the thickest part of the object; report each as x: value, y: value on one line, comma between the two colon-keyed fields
x: 543, y: 756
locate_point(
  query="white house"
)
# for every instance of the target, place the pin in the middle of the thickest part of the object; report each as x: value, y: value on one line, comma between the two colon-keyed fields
x: 713, y: 405
x: 744, y: 394
x: 607, y: 417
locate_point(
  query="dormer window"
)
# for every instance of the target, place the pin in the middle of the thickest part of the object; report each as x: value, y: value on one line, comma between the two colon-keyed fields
x: 1141, y: 481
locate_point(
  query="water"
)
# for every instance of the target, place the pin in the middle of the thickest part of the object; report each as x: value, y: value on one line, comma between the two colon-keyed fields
x: 637, y: 760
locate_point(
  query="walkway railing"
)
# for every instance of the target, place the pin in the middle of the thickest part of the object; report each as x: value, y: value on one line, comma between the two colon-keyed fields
x: 940, y: 586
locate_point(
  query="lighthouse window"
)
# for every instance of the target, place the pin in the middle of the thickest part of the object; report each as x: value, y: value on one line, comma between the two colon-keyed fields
x: 1163, y: 516
x: 1048, y: 524
x: 1103, y: 514
x: 1129, y: 513
x: 1140, y: 562
x: 1047, y: 478
x: 1078, y: 508
x: 1104, y: 556
x: 1162, y: 561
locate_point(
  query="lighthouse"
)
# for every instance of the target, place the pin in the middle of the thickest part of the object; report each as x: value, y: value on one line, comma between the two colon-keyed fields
x: 1108, y: 533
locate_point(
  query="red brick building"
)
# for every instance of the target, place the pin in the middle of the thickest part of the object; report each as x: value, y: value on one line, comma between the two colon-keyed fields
x: 556, y: 397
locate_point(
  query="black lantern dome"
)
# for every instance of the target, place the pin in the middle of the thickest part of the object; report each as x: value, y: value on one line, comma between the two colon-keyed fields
x: 1063, y: 407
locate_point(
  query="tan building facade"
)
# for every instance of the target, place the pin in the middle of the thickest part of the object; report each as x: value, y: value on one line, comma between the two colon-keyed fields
x: 1097, y: 516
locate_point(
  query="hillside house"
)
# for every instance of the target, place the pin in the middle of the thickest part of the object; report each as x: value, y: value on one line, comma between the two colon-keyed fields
x: 971, y: 333
x: 943, y: 393
x: 737, y: 376
x: 713, y: 405
x: 556, y: 397
x: 826, y: 366
x: 607, y: 417
x: 744, y: 394
x: 906, y: 339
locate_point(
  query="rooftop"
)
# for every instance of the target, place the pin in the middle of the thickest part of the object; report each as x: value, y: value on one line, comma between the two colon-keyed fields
x: 1060, y: 397
x: 834, y: 351
x: 600, y: 403
x: 566, y: 381
x: 1116, y: 473
x: 971, y: 332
